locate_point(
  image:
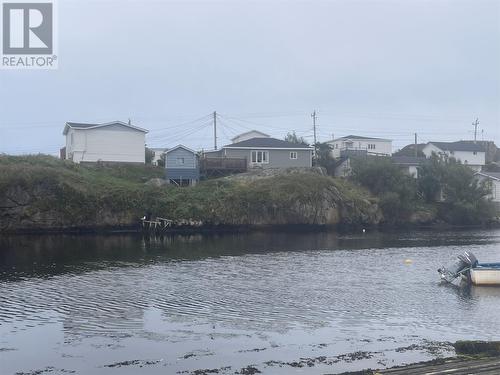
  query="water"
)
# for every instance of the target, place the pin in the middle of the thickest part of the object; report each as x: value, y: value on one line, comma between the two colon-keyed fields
x: 281, y: 302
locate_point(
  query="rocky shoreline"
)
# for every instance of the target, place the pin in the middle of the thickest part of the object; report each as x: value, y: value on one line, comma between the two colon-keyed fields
x: 468, y: 354
x: 45, y: 195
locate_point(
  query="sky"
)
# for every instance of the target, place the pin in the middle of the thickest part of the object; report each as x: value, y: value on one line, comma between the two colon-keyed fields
x: 384, y: 69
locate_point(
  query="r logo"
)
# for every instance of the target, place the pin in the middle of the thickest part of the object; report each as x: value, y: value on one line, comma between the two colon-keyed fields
x: 27, y: 28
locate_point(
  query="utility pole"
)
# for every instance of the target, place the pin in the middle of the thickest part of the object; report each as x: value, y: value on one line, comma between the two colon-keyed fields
x: 475, y: 124
x: 215, y: 130
x: 416, y: 146
x: 314, y: 130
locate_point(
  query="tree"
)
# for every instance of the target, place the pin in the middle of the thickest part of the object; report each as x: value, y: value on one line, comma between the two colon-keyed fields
x: 161, y: 160
x: 396, y: 190
x: 324, y: 157
x: 464, y: 198
x: 293, y: 138
x: 149, y: 155
x: 430, y: 177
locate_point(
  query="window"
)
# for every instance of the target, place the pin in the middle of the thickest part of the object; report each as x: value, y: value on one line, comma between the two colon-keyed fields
x: 474, y: 153
x: 293, y: 155
x: 371, y: 146
x: 180, y: 161
x: 260, y: 157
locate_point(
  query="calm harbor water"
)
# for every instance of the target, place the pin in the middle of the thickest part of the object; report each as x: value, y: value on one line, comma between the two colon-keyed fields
x: 283, y: 303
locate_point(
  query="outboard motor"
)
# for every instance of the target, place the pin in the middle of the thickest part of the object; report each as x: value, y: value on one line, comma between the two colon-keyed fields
x: 469, y: 258
x: 462, y: 265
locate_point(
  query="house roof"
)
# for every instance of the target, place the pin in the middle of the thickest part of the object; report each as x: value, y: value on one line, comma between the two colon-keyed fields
x: 81, y: 125
x: 407, y: 160
x: 360, y: 137
x: 249, y: 132
x: 267, y: 143
x: 180, y: 146
x: 410, y: 149
x: 493, y: 175
x: 469, y: 146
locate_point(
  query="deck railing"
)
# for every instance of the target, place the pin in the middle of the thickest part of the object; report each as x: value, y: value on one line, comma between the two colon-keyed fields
x: 239, y: 164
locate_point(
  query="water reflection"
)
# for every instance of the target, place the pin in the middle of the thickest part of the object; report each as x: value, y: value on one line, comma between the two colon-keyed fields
x: 171, y: 288
x: 45, y: 256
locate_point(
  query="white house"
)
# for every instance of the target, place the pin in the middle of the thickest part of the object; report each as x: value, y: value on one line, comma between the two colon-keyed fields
x: 110, y: 142
x: 249, y: 135
x: 355, y: 144
x: 467, y: 152
x: 157, y: 154
x: 494, y: 177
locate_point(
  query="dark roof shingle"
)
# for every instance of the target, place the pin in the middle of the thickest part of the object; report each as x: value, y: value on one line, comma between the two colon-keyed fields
x: 360, y: 137
x: 470, y: 146
x: 267, y: 143
x: 82, y: 125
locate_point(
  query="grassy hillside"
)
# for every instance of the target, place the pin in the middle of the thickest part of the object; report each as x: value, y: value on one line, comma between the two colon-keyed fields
x: 42, y: 192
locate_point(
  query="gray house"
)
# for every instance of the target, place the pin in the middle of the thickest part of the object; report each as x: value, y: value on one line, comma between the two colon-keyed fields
x: 181, y: 166
x: 266, y: 152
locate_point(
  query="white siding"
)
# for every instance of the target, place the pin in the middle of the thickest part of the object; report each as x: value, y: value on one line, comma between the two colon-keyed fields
x: 474, y: 159
x: 372, y: 146
x: 467, y: 157
x: 249, y: 135
x: 114, y: 144
x: 413, y: 171
x: 157, y: 155
x: 429, y: 149
x: 495, y: 188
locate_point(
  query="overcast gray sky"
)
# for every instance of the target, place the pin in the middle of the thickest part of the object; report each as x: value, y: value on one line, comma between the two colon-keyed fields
x: 376, y: 68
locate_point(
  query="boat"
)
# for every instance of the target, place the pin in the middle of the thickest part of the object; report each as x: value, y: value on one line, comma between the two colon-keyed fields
x: 485, y: 274
x: 468, y: 268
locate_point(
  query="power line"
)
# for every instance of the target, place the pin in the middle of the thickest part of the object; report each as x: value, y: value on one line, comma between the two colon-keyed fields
x: 182, y: 133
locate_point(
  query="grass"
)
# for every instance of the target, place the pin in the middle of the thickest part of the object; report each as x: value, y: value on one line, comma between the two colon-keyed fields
x: 45, y: 192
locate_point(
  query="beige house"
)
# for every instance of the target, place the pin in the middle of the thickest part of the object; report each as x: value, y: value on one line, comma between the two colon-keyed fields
x: 109, y: 142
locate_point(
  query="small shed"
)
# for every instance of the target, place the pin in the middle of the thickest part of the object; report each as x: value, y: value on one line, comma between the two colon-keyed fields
x: 408, y: 164
x: 181, y: 166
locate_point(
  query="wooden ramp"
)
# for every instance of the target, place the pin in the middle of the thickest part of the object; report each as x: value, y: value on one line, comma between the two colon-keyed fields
x: 451, y: 366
